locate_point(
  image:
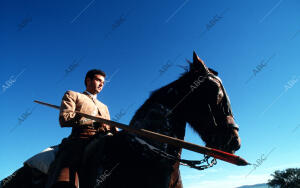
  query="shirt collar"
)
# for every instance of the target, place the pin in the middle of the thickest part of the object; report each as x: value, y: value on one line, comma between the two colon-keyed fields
x: 94, y: 96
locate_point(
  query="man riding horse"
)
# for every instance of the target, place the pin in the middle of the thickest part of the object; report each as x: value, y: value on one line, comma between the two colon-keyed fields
x: 197, y: 98
x: 64, y: 172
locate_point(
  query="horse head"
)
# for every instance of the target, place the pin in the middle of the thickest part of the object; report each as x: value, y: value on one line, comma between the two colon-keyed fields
x: 207, y: 108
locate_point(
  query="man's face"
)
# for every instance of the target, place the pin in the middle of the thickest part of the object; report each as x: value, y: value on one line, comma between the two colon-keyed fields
x: 95, y: 86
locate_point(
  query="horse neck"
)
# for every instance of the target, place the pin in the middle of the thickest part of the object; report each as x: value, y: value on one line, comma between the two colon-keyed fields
x: 163, y: 102
x: 174, y: 102
x: 173, y: 96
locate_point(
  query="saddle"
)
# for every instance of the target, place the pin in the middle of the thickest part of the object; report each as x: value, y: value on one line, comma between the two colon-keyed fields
x: 43, y: 160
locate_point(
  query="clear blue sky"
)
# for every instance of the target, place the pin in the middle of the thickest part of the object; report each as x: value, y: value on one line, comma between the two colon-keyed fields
x: 46, y: 47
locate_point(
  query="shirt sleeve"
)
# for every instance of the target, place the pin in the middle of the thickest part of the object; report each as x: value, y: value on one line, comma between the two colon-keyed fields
x: 67, y: 115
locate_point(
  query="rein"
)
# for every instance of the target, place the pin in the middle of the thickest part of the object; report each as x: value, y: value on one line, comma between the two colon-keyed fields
x: 196, y: 164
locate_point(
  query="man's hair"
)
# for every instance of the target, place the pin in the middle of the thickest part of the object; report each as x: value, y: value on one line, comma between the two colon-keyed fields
x: 90, y: 74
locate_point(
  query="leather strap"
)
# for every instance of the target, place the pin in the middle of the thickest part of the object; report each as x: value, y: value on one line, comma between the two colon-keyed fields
x: 231, y: 123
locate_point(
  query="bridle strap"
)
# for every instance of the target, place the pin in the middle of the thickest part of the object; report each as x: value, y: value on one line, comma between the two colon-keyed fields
x: 231, y: 123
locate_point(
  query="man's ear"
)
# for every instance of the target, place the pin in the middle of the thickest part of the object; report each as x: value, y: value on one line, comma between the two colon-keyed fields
x: 88, y: 82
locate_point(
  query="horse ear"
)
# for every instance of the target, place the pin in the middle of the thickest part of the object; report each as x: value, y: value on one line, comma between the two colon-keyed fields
x: 198, y: 65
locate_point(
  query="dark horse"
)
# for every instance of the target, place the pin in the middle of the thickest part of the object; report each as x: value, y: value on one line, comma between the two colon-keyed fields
x: 198, y: 98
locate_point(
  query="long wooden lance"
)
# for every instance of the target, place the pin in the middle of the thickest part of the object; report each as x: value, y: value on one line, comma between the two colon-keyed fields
x: 218, y: 154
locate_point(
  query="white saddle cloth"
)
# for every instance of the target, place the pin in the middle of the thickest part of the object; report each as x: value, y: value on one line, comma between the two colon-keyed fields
x: 43, y: 160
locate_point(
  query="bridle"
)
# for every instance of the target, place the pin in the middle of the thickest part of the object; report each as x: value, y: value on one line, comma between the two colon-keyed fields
x: 229, y: 117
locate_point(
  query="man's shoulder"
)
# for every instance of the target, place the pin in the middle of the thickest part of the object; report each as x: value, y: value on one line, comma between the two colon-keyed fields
x: 72, y: 93
x: 75, y: 95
